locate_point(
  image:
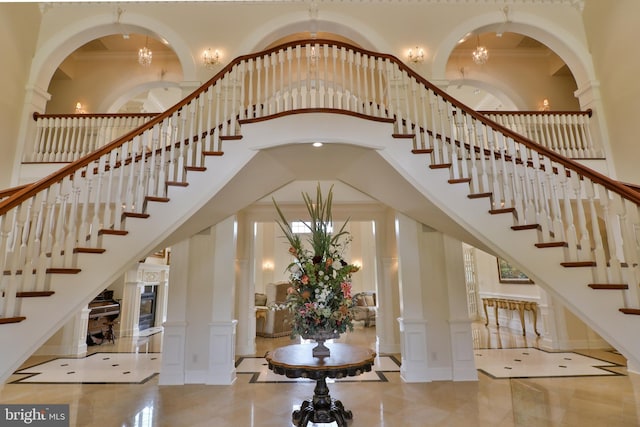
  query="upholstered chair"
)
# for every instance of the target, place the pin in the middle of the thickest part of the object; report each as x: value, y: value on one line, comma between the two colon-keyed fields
x: 278, y: 321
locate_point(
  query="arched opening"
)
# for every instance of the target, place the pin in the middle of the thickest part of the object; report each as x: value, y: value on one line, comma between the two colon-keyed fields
x: 523, y: 84
x: 106, y: 71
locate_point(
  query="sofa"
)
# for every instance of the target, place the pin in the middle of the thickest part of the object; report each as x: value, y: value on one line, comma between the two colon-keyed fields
x: 273, y: 322
x: 364, y: 308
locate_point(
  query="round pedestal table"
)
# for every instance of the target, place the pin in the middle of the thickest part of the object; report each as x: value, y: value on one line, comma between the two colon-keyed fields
x: 297, y: 361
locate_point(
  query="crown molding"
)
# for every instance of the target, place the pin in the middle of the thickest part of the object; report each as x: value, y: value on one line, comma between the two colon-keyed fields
x: 578, y: 4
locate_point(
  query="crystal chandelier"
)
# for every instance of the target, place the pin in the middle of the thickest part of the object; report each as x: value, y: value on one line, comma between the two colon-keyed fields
x: 480, y: 54
x: 145, y: 55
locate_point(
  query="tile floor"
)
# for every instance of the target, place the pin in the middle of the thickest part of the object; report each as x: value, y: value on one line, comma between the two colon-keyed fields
x: 585, y: 401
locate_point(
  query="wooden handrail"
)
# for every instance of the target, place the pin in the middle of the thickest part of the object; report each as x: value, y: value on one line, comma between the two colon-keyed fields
x: 595, y: 176
x: 581, y: 169
x: 37, y: 115
x: 11, y: 191
x: 588, y: 112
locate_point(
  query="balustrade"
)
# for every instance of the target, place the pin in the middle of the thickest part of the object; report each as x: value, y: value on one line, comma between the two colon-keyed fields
x: 566, y: 132
x: 594, y: 218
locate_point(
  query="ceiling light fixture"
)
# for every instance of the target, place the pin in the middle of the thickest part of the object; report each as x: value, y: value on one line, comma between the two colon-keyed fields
x: 416, y: 56
x: 210, y: 58
x: 317, y: 144
x: 480, y: 54
x: 145, y: 55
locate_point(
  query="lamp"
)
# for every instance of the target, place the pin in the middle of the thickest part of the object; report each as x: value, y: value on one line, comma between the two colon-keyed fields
x: 145, y: 55
x: 416, y: 56
x: 480, y: 54
x: 210, y: 58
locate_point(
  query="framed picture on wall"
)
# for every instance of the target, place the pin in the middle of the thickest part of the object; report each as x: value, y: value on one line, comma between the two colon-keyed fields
x: 510, y: 274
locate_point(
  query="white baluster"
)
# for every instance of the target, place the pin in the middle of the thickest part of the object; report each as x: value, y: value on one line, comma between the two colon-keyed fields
x: 600, y: 272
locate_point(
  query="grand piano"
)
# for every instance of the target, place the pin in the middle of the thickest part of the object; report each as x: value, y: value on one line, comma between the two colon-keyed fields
x: 104, y: 311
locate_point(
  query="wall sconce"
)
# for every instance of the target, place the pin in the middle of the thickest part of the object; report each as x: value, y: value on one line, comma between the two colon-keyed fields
x: 267, y: 265
x: 79, y: 109
x: 210, y: 58
x: 416, y: 56
x: 545, y: 105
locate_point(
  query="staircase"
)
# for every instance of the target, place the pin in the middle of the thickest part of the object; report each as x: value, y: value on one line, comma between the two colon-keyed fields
x: 67, y: 236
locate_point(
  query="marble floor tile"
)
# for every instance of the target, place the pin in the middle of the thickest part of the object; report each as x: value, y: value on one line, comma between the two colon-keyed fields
x: 575, y: 401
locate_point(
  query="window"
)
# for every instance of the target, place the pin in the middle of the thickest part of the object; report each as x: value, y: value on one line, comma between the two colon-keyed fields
x: 301, y: 227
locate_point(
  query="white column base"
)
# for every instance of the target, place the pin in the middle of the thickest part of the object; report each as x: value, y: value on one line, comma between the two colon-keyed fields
x: 173, y: 345
x: 462, y: 358
x: 222, y: 339
x: 413, y: 340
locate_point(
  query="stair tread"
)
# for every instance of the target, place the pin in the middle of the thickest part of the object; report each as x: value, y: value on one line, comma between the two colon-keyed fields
x: 213, y: 153
x: 177, y: 183
x: 113, y: 232
x: 440, y: 166
x: 578, y: 264
x: 135, y: 215
x: 459, y: 181
x: 479, y: 195
x: 404, y: 135
x: 422, y: 150
x: 34, y: 294
x: 551, y: 245
x: 608, y: 286
x: 15, y: 319
x: 630, y: 310
x: 157, y: 199
x: 89, y: 250
x: 525, y: 227
x: 63, y: 270
x: 501, y: 211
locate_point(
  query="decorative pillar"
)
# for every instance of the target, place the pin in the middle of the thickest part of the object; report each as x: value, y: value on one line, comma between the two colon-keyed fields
x: 161, y: 297
x: 222, y: 328
x: 413, y: 340
x: 130, y: 306
x: 387, y: 331
x: 175, y: 327
x: 222, y: 338
x: 245, y: 301
x: 462, y: 356
x: 413, y: 325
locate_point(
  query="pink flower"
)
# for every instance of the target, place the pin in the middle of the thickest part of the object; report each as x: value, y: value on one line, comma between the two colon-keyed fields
x: 346, y: 289
x: 304, y: 279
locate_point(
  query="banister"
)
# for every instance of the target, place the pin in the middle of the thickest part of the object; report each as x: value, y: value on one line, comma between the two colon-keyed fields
x: 588, y: 112
x: 37, y: 115
x: 601, y: 179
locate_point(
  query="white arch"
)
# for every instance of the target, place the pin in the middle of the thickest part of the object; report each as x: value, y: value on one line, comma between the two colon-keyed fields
x: 112, y: 104
x: 330, y: 22
x: 564, y: 43
x: 509, y: 98
x: 51, y: 53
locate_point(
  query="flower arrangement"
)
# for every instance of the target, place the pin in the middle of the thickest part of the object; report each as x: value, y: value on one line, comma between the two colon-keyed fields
x: 319, y: 297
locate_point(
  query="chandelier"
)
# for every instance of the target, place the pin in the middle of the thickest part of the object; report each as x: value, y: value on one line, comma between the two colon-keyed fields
x: 145, y: 55
x: 480, y: 54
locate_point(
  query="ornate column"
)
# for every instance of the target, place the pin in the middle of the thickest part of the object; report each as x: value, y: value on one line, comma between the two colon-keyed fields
x: 175, y: 328
x: 387, y: 331
x: 413, y: 325
x: 130, y: 306
x: 462, y: 357
x: 222, y: 328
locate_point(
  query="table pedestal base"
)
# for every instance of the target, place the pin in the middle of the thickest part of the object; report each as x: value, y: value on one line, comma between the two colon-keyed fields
x: 321, y: 409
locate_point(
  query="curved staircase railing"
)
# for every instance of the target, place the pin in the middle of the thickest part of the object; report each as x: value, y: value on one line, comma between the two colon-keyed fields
x: 591, y: 216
